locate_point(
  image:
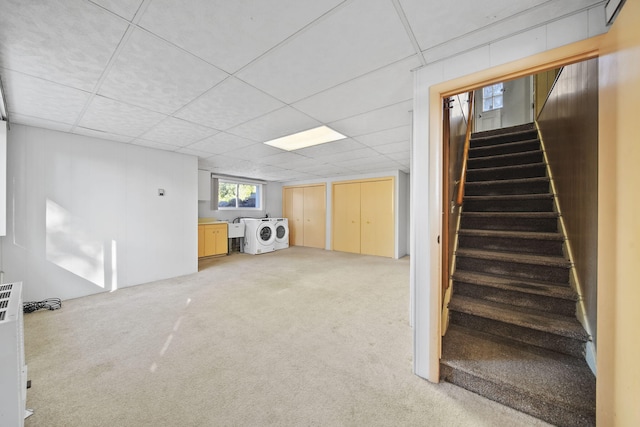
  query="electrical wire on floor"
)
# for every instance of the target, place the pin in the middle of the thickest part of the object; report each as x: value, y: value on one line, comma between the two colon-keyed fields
x: 49, y: 304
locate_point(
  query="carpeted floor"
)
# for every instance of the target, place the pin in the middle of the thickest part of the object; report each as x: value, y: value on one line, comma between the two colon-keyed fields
x: 299, y: 337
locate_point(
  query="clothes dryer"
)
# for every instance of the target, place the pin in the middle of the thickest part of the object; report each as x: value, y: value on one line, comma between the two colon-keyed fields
x: 259, y: 235
x: 282, y: 232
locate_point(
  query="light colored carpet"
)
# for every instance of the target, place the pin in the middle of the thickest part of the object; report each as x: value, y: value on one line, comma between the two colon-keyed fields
x: 299, y: 337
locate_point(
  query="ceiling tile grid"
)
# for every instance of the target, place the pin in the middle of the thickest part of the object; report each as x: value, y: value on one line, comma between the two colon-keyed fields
x: 215, y: 79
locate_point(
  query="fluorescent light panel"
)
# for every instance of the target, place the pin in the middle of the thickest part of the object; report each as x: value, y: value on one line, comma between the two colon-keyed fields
x: 307, y: 138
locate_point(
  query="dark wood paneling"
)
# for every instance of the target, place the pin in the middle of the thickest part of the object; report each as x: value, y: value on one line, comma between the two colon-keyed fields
x: 569, y: 127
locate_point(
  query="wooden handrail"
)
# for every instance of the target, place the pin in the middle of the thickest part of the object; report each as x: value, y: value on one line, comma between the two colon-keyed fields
x: 465, y: 154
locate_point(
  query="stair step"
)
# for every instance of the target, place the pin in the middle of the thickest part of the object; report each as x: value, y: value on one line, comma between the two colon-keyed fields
x: 507, y: 187
x: 510, y: 159
x: 548, y: 297
x: 512, y: 241
x: 564, y: 326
x: 514, y: 221
x: 522, y: 266
x: 535, y: 170
x: 485, y: 139
x: 509, y: 203
x: 505, y: 148
x: 553, y: 387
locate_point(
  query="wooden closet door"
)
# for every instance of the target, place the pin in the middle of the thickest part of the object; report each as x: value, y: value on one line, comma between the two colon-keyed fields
x: 377, y: 225
x: 294, y: 211
x: 346, y: 217
x: 315, y: 214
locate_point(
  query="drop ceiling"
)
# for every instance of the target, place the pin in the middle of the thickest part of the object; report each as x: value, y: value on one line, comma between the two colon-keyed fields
x: 215, y: 79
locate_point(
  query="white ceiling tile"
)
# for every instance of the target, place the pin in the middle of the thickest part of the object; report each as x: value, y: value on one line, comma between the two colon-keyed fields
x: 385, y: 118
x: 403, y: 157
x: 177, y: 132
x: 254, y: 152
x: 102, y: 135
x: 433, y: 25
x: 327, y: 169
x: 359, y: 162
x: 38, y: 122
x: 331, y: 51
x: 35, y: 97
x: 393, y: 84
x: 68, y: 42
x: 197, y: 153
x: 230, y: 34
x: 153, y: 144
x: 221, y: 143
x: 151, y: 73
x: 125, y: 8
x: 284, y: 121
x: 283, y: 159
x: 117, y: 117
x: 394, y: 147
x: 229, y: 104
x: 340, y: 146
x: 386, y: 136
x: 361, y: 153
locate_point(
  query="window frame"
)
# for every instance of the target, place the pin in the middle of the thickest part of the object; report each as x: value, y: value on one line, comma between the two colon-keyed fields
x: 259, y: 194
x: 493, y: 97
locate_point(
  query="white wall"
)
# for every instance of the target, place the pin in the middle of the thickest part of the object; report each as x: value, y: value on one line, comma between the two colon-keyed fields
x: 85, y: 216
x: 473, y: 66
x: 401, y: 205
x: 3, y: 178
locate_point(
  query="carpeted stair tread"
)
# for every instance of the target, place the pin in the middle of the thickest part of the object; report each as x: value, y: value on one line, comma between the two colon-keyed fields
x: 504, y: 148
x: 557, y: 388
x: 531, y: 170
x: 508, y: 181
x: 508, y: 159
x: 532, y: 319
x: 536, y: 287
x: 511, y: 197
x: 526, y: 127
x: 512, y: 215
x: 511, y: 135
x: 529, y: 235
x: 553, y: 261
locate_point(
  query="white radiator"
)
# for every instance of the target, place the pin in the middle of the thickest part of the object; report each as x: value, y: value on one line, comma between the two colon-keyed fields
x: 13, y: 371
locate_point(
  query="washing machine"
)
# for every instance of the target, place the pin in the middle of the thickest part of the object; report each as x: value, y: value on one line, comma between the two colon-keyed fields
x: 282, y: 232
x: 259, y: 235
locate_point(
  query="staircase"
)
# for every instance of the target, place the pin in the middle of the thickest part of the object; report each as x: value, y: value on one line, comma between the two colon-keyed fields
x: 513, y: 335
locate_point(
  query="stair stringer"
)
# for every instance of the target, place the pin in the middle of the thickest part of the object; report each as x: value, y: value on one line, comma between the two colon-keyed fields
x: 581, y: 312
x: 446, y: 298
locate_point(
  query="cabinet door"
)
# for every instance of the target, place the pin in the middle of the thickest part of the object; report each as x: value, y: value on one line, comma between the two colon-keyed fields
x: 346, y: 217
x: 315, y: 214
x: 200, y: 241
x: 221, y: 239
x: 209, y: 240
x: 377, y: 226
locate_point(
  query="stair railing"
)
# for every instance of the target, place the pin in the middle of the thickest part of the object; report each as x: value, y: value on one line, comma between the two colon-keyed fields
x: 465, y: 154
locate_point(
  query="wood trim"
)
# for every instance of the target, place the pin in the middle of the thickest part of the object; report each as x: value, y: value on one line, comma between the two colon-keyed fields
x: 465, y: 154
x: 381, y: 178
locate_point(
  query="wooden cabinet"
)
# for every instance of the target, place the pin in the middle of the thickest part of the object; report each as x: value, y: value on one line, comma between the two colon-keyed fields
x: 305, y: 207
x: 212, y: 239
x: 363, y: 217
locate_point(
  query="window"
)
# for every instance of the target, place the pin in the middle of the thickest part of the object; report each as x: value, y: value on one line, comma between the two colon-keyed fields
x: 239, y: 195
x: 492, y: 97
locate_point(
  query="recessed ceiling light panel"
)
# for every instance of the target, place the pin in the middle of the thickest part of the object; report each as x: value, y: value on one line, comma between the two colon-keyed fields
x: 307, y: 138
